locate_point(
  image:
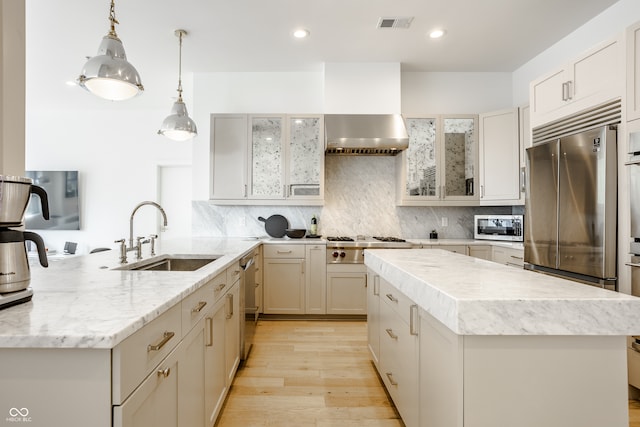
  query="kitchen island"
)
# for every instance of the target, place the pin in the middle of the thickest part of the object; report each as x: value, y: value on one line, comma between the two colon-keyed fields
x: 460, y: 341
x: 85, y: 350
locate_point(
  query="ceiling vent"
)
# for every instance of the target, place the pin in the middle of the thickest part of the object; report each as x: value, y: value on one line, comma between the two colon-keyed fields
x: 395, y: 22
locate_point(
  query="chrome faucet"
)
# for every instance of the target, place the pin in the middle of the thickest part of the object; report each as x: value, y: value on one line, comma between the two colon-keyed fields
x: 164, y: 215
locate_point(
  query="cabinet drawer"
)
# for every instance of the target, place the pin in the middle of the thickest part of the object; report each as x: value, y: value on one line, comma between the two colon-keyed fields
x: 398, y: 301
x: 233, y: 274
x: 135, y: 357
x: 155, y: 402
x: 220, y: 286
x: 195, y: 306
x: 284, y: 251
x: 508, y: 256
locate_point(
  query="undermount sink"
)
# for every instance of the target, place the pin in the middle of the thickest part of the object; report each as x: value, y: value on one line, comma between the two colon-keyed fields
x: 171, y: 263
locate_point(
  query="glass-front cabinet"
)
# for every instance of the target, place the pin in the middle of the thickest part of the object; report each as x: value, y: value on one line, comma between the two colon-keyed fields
x: 279, y: 159
x: 441, y: 164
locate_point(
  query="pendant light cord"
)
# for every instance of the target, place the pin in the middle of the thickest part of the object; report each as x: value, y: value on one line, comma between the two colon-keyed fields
x: 113, y: 20
x: 180, y: 33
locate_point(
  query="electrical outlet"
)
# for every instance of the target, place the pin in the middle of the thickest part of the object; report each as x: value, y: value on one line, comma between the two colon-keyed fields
x: 444, y: 221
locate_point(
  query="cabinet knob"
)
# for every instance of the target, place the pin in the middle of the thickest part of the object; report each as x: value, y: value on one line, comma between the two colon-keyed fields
x: 164, y: 372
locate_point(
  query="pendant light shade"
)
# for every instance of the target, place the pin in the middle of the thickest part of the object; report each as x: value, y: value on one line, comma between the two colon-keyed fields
x: 178, y: 125
x: 108, y: 74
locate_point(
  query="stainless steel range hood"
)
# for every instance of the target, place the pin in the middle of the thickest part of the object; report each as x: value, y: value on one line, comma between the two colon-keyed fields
x: 365, y: 134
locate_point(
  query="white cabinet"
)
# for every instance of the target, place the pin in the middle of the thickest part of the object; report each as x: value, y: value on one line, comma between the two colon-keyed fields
x: 633, y: 72
x: 373, y: 316
x: 508, y: 256
x: 480, y: 251
x: 316, y: 279
x: 284, y: 279
x: 267, y: 159
x: 440, y: 167
x: 459, y: 249
x: 500, y: 158
x: 232, y: 332
x: 347, y: 289
x: 214, y: 354
x: 595, y: 77
x: 258, y: 259
x: 398, y: 362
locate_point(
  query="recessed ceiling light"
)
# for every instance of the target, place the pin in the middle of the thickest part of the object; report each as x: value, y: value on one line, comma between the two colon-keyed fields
x: 436, y: 34
x: 301, y: 33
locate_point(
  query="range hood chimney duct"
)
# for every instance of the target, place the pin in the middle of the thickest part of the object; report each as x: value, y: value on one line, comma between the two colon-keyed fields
x: 365, y: 134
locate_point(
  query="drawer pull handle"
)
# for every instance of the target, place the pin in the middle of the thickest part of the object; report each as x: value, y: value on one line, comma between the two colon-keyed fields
x: 413, y: 319
x: 198, y: 308
x: 284, y: 252
x: 209, y: 333
x: 164, y: 372
x: 391, y: 380
x: 392, y: 298
x: 220, y: 287
x: 391, y: 334
x: 516, y: 257
x: 165, y: 339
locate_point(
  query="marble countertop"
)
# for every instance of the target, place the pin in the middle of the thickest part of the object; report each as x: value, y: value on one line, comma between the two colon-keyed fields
x: 80, y: 302
x: 470, y: 242
x: 472, y: 296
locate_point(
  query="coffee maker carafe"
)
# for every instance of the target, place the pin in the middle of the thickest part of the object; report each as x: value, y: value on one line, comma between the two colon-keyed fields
x: 15, y: 275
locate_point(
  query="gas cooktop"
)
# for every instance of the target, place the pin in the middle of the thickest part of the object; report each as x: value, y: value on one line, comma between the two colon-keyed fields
x: 365, y: 241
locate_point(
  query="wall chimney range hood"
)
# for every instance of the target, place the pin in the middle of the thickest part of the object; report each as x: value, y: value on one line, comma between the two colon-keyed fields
x: 365, y: 134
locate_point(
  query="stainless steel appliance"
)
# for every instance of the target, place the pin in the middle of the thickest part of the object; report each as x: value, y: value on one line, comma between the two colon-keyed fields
x: 365, y: 134
x: 571, y: 200
x: 349, y: 250
x: 498, y: 227
x: 248, y: 306
x: 15, y: 275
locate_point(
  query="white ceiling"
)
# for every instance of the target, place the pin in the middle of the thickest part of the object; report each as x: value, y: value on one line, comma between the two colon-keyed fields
x: 255, y: 35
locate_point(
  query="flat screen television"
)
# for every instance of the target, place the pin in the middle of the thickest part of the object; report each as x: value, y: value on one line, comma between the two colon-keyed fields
x: 64, y: 206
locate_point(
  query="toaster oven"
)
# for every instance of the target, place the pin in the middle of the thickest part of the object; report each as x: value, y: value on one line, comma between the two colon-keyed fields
x: 498, y: 227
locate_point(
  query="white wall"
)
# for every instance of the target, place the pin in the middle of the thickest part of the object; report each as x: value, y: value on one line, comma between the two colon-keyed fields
x: 604, y: 26
x: 455, y: 93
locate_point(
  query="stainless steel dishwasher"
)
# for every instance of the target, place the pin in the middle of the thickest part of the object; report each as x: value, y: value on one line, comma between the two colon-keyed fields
x: 248, y: 307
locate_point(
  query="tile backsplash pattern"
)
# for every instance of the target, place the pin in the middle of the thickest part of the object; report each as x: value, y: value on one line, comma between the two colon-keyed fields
x: 359, y: 199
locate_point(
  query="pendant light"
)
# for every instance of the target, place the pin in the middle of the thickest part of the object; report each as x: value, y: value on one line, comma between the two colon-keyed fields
x: 108, y: 74
x: 178, y: 125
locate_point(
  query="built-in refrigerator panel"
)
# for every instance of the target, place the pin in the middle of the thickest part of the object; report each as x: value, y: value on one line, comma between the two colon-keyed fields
x: 541, y: 209
x: 587, y: 203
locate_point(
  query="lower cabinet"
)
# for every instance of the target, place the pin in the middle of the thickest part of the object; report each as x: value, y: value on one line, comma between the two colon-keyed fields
x: 294, y: 278
x: 480, y: 251
x: 398, y: 359
x: 188, y: 386
x: 347, y: 289
x: 508, y: 256
x: 373, y: 316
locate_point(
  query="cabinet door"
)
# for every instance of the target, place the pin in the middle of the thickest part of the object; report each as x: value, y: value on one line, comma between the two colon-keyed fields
x: 633, y: 72
x: 460, y: 158
x: 459, y: 249
x: 284, y: 286
x: 232, y: 332
x: 346, y: 293
x: 480, y: 251
x: 316, y: 279
x: 155, y: 401
x: 421, y: 171
x: 547, y: 94
x: 229, y: 156
x: 214, y: 361
x: 191, y: 379
x: 267, y: 157
x: 499, y: 157
x: 373, y: 316
x: 305, y: 157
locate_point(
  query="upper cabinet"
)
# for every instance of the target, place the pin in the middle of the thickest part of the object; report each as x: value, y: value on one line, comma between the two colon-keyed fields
x: 595, y: 77
x: 440, y: 166
x: 500, y: 157
x: 633, y: 72
x: 267, y: 159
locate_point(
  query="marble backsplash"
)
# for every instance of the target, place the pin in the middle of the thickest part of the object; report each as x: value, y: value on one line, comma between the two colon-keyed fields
x: 359, y: 199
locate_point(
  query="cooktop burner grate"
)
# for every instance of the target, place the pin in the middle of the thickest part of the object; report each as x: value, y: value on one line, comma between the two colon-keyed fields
x: 340, y: 239
x: 389, y: 239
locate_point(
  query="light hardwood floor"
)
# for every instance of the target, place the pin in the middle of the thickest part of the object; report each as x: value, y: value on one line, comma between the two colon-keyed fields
x: 315, y: 374
x: 308, y: 373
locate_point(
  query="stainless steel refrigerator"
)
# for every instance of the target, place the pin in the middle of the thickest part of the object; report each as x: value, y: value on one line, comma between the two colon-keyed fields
x: 571, y: 207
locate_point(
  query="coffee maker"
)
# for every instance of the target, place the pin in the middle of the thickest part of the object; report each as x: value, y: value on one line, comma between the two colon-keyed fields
x: 15, y: 276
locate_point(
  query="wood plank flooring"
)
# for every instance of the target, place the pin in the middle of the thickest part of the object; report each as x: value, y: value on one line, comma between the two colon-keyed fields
x: 315, y: 374
x: 308, y: 373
